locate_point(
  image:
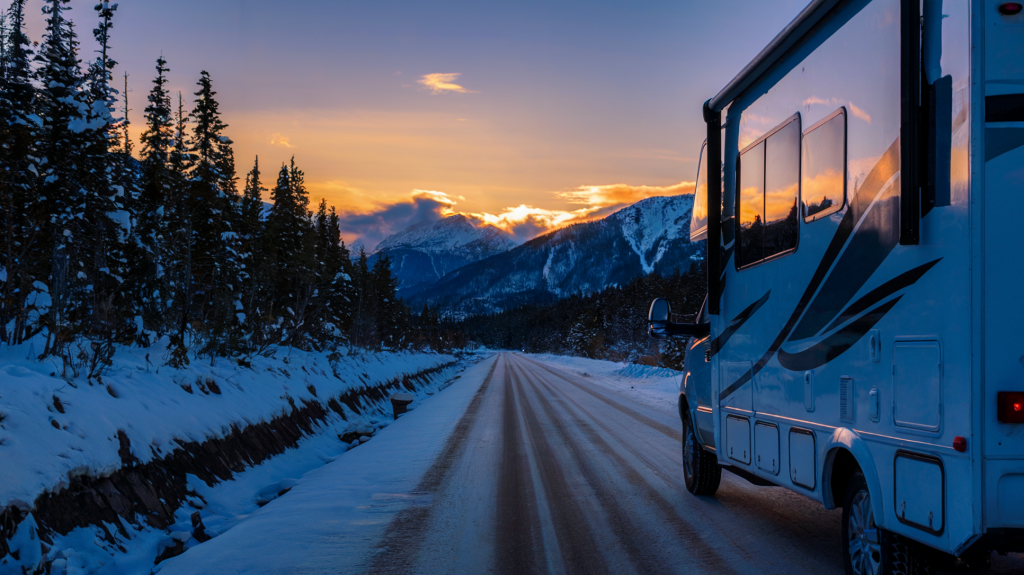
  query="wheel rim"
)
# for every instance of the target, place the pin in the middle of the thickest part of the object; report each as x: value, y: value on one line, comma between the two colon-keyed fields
x: 689, y: 445
x: 865, y: 546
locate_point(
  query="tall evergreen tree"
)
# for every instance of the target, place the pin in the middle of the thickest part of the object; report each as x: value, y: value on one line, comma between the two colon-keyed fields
x: 24, y: 242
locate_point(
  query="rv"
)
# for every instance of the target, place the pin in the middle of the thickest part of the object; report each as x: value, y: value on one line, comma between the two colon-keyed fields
x: 861, y: 343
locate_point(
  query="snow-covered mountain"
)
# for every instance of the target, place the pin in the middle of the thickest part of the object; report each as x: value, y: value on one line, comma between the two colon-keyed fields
x: 651, y: 236
x: 422, y: 254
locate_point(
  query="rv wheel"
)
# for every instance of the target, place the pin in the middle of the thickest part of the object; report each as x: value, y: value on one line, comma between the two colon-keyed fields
x: 700, y: 467
x: 868, y: 550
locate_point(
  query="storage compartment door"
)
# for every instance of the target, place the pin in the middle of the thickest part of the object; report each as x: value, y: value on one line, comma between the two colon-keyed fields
x: 803, y: 462
x: 737, y: 438
x: 766, y: 447
x: 917, y: 385
x: 920, y: 484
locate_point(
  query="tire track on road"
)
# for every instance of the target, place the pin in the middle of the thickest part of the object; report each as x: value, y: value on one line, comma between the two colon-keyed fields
x: 674, y: 434
x: 404, y: 535
x: 688, y: 535
x: 577, y: 544
x: 623, y: 523
x: 519, y: 545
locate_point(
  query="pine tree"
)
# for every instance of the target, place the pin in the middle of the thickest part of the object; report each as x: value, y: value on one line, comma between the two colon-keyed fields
x: 213, y: 203
x: 24, y: 241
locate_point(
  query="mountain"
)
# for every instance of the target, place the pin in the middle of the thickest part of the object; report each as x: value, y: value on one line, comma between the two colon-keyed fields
x: 651, y: 236
x: 422, y: 254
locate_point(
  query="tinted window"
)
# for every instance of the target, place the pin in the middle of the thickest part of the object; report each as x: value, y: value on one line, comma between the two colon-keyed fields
x: 699, y: 219
x: 824, y: 168
x: 750, y: 238
x: 781, y: 189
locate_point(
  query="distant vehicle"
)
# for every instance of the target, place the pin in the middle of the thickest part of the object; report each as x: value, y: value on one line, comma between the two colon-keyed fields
x: 861, y: 341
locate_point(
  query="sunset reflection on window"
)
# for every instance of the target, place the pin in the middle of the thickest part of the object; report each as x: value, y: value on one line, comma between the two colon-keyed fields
x: 824, y: 167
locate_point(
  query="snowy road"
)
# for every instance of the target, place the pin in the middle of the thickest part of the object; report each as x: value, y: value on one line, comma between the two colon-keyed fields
x: 526, y: 464
x: 550, y: 471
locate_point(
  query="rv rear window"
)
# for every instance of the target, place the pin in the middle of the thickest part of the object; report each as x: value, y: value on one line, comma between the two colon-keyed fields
x: 768, y: 195
x: 824, y: 167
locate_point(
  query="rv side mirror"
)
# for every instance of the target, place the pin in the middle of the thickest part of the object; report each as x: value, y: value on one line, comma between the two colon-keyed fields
x: 658, y: 318
x: 661, y: 326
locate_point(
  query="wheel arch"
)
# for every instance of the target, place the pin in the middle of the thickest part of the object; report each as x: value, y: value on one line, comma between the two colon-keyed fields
x: 845, y: 453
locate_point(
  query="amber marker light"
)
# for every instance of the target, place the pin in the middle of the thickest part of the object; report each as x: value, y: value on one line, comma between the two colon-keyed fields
x: 1010, y: 406
x: 1010, y: 8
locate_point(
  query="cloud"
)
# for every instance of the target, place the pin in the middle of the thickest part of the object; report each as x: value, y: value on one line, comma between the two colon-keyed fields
x: 279, y: 140
x: 522, y: 222
x: 618, y: 194
x: 836, y: 102
x: 441, y: 83
x: 371, y: 228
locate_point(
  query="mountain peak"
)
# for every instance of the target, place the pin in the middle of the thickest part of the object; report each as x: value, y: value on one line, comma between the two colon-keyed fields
x: 454, y: 232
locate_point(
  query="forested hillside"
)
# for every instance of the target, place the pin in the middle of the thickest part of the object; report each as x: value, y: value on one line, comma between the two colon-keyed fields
x: 104, y: 241
x: 611, y: 324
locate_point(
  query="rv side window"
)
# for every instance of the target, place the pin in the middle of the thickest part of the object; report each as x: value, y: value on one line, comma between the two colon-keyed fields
x: 750, y: 237
x: 768, y: 198
x: 824, y: 167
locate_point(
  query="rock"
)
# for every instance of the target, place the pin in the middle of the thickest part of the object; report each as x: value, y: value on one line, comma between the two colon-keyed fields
x: 198, y: 529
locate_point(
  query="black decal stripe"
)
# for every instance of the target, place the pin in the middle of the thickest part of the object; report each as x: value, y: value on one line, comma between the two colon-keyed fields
x: 880, y: 174
x: 834, y: 345
x: 999, y: 141
x: 878, y: 232
x: 737, y: 322
x: 1004, y: 108
x: 881, y: 292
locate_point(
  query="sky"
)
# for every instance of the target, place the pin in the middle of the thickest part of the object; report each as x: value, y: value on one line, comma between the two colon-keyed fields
x: 526, y: 115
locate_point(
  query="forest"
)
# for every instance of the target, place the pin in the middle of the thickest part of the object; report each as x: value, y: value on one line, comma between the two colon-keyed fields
x: 611, y: 324
x: 105, y: 242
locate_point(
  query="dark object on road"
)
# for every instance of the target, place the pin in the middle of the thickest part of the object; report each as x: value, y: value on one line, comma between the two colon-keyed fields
x: 400, y: 402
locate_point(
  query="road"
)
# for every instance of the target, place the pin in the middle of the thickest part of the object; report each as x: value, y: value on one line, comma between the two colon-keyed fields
x: 549, y: 473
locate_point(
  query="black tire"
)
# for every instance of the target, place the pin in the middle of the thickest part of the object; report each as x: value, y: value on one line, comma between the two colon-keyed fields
x: 700, y: 466
x: 868, y: 550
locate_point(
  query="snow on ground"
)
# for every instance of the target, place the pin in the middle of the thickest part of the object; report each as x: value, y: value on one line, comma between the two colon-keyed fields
x: 52, y: 429
x: 332, y: 515
x: 654, y: 386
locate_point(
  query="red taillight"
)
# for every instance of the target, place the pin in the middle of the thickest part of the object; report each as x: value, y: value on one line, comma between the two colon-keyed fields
x: 960, y: 443
x: 1010, y: 8
x: 1010, y: 406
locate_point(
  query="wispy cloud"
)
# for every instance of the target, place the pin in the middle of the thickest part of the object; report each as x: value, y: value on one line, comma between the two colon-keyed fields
x: 617, y: 194
x: 836, y: 102
x: 279, y: 140
x: 441, y: 83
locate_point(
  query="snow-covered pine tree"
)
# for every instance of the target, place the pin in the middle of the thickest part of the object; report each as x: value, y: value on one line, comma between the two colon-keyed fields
x: 63, y: 107
x: 105, y: 219
x: 147, y: 249
x: 213, y: 202
x: 24, y: 243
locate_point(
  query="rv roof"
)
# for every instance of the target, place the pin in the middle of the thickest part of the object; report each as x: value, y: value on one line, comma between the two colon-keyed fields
x: 778, y: 47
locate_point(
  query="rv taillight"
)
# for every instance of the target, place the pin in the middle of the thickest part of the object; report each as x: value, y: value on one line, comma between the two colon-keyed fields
x: 960, y: 443
x: 1010, y: 8
x: 1011, y: 406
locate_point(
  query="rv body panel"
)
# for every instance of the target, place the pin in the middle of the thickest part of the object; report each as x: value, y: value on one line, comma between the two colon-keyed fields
x: 1002, y: 307
x: 835, y: 338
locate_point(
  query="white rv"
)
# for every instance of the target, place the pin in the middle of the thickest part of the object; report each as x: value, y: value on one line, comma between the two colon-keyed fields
x: 863, y: 338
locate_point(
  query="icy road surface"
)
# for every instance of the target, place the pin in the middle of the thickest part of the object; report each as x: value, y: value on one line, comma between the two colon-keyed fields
x: 527, y: 464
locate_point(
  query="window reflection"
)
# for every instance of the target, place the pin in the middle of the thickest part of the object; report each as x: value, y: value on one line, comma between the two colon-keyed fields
x: 699, y: 218
x: 782, y: 186
x: 749, y: 245
x: 824, y: 167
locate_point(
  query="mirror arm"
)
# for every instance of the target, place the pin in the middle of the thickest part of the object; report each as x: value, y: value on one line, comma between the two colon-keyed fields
x: 668, y: 329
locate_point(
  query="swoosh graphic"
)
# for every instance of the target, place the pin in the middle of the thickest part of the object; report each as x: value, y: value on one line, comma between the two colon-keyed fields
x: 836, y: 344
x: 883, y: 171
x: 737, y: 322
x: 881, y: 292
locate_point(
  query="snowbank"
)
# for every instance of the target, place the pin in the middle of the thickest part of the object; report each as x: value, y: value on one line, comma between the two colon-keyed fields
x: 52, y: 430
